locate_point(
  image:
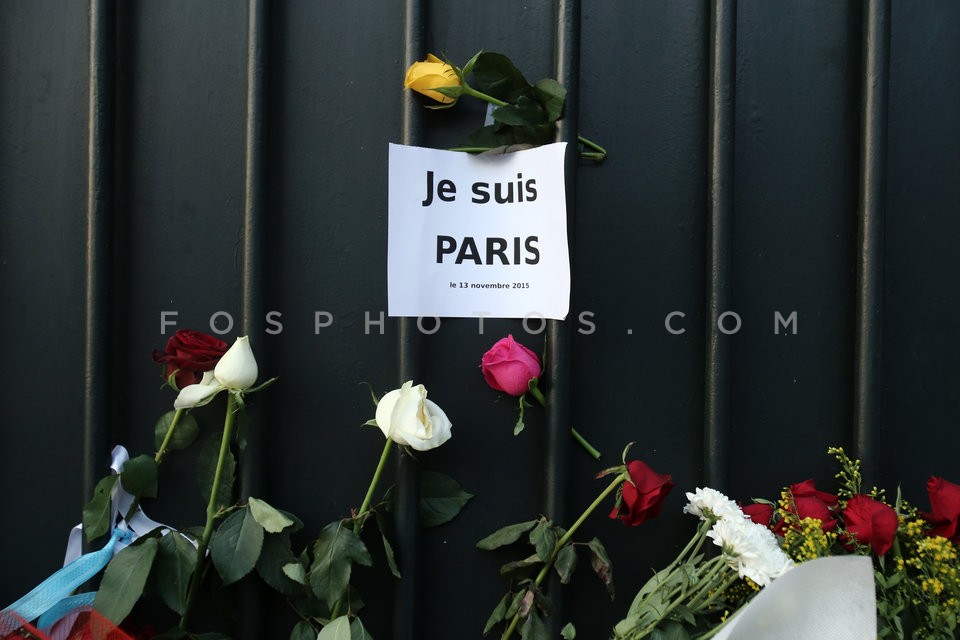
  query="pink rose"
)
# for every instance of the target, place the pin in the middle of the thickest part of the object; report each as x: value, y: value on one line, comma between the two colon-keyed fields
x: 509, y: 366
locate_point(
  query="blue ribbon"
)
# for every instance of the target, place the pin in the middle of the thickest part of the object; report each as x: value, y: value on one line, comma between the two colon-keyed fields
x: 66, y: 606
x: 61, y: 584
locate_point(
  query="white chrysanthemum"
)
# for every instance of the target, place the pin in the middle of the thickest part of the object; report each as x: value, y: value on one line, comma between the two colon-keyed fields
x: 750, y: 549
x: 709, y: 503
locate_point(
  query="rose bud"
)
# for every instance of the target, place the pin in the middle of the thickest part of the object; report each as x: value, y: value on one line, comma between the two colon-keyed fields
x: 759, y: 512
x: 811, y: 503
x: 871, y: 522
x: 237, y: 371
x: 237, y: 368
x: 509, y: 367
x: 424, y: 77
x: 408, y: 418
x: 190, y: 353
x: 642, y: 496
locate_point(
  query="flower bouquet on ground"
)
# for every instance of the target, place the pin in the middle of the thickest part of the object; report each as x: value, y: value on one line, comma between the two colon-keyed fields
x: 915, y: 554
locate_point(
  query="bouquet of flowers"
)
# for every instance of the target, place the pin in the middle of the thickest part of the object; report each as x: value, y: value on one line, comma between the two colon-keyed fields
x: 915, y: 554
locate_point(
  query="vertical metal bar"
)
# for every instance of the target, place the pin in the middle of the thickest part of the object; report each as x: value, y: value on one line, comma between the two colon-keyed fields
x: 567, y: 68
x: 101, y: 57
x: 716, y: 410
x: 873, y: 151
x: 406, y: 598
x: 254, y: 195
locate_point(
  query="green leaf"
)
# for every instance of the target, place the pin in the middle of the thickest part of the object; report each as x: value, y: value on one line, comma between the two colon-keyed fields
x: 96, y: 513
x: 275, y: 555
x: 441, y: 498
x: 183, y: 436
x: 600, y: 562
x: 358, y: 631
x: 124, y: 579
x: 176, y: 559
x: 526, y: 113
x: 495, y: 75
x: 534, y: 628
x: 521, y: 568
x: 338, y: 629
x: 569, y: 632
x: 296, y: 572
x: 139, y: 476
x: 235, y: 546
x: 207, y: 467
x: 468, y: 67
x: 566, y: 563
x: 387, y: 547
x: 334, y: 551
x: 499, y: 135
x: 507, y: 535
x: 551, y: 95
x: 673, y: 630
x: 544, y: 539
x: 269, y: 518
x: 303, y: 630
x: 499, y: 612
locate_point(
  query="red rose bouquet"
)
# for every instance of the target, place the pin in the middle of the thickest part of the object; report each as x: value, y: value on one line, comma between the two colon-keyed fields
x: 915, y: 554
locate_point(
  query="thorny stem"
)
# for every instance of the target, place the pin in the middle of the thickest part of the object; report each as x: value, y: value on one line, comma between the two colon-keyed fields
x: 365, y: 505
x: 562, y: 542
x: 158, y: 458
x: 198, y: 570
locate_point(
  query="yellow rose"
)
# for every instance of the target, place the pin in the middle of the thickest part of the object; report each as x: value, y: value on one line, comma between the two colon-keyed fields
x: 424, y: 77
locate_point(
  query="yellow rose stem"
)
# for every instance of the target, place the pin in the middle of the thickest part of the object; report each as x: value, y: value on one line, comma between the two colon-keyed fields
x: 166, y: 439
x: 589, y: 448
x: 562, y: 542
x: 200, y: 568
x: 600, y: 152
x: 359, y: 519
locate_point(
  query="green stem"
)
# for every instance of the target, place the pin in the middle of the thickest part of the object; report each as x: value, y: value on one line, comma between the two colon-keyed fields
x: 365, y: 505
x: 689, y: 550
x: 583, y: 443
x: 198, y: 570
x: 589, y: 448
x: 702, y: 586
x: 562, y: 542
x: 166, y: 439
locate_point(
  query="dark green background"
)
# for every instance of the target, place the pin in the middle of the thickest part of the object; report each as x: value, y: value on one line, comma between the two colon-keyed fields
x: 639, y: 251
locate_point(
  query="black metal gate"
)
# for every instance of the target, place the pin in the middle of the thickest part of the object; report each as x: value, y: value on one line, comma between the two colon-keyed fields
x: 794, y: 163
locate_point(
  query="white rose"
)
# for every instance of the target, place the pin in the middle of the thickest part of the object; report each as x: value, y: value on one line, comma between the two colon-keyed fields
x: 407, y: 417
x: 236, y: 370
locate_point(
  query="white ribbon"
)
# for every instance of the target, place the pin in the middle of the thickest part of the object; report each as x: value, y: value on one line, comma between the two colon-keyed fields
x: 823, y: 599
x: 120, y: 502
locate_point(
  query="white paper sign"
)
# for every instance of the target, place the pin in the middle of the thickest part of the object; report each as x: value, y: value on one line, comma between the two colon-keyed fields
x: 473, y: 236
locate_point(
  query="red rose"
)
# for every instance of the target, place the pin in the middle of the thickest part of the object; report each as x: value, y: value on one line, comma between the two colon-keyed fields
x: 871, y: 522
x: 642, y: 496
x: 509, y: 366
x: 810, y: 503
x: 944, y: 508
x: 192, y: 353
x: 759, y: 512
